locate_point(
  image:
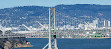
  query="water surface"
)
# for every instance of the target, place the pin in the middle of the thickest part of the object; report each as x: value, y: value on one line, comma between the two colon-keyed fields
x: 39, y: 43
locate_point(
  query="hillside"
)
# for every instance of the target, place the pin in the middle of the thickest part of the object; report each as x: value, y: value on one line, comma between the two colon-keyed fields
x: 29, y: 15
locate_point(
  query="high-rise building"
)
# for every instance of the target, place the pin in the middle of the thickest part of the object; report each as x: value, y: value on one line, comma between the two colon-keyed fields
x: 104, y: 23
x: 108, y: 23
x: 95, y: 23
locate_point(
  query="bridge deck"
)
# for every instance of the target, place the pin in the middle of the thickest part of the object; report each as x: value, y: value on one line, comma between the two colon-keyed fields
x: 11, y: 35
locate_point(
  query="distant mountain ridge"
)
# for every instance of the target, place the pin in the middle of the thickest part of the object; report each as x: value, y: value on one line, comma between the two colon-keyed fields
x: 79, y: 13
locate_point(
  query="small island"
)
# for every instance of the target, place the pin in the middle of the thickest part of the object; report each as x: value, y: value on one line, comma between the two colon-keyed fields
x: 13, y: 40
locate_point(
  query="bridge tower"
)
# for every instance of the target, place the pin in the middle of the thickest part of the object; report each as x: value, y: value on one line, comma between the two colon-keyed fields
x: 52, y: 30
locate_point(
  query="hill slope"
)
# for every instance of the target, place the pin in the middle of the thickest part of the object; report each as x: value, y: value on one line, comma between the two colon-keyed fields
x: 76, y: 14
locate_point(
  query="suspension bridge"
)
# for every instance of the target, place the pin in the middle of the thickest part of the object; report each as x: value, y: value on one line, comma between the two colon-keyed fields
x: 55, y: 24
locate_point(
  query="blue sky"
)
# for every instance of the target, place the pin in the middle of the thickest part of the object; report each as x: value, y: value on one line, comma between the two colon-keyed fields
x: 15, y: 3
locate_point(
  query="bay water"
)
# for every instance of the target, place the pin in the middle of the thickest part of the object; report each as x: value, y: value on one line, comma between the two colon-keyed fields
x: 39, y: 43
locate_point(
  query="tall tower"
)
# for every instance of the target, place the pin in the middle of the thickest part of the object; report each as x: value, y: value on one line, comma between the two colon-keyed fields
x: 104, y: 23
x: 108, y: 23
x: 52, y: 30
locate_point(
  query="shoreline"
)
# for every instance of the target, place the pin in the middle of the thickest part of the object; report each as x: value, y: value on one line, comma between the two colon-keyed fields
x: 15, y: 42
x: 79, y: 38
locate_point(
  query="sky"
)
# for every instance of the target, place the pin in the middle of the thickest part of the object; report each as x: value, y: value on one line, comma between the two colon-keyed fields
x: 49, y: 3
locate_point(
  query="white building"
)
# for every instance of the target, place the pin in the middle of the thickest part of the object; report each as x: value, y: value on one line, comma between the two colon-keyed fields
x: 108, y: 23
x: 89, y: 26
